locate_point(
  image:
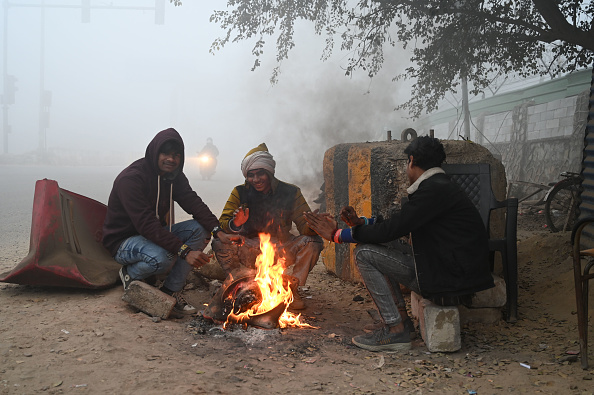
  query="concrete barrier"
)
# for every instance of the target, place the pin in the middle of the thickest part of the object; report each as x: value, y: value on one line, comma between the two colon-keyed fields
x: 372, y: 178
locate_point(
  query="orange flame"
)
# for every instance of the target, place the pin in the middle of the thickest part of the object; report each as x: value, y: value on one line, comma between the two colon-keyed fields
x: 273, y: 288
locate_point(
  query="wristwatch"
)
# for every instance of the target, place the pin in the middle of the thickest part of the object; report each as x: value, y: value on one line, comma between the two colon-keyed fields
x: 216, y: 230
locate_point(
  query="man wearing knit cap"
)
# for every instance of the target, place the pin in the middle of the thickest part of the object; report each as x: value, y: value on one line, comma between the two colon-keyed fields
x: 264, y: 204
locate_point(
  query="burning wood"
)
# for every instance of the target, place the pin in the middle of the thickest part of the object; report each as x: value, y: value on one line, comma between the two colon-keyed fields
x: 262, y: 299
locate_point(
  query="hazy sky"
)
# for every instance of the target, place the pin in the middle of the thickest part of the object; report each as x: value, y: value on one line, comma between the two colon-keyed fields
x: 119, y: 79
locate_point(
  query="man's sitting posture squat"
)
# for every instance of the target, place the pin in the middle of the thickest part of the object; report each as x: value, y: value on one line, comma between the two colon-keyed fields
x: 264, y: 204
x: 448, y: 255
x: 135, y: 230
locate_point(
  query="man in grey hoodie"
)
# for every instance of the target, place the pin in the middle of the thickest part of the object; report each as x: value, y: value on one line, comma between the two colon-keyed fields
x: 139, y: 228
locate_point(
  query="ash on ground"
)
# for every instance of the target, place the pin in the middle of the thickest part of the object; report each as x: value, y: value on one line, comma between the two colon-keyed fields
x: 249, y: 335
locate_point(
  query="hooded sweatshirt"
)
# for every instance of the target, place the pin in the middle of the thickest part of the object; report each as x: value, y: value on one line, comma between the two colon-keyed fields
x: 140, y: 200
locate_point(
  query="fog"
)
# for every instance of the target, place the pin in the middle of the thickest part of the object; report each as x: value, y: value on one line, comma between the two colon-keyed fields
x: 119, y: 79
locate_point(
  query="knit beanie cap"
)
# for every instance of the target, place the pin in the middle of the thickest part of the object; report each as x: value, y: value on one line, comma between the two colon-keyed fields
x: 258, y: 158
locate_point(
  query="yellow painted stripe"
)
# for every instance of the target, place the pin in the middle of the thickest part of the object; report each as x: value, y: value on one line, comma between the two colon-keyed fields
x: 359, y: 191
x: 329, y: 254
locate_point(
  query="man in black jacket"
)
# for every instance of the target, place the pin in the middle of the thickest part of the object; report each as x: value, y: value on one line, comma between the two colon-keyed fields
x: 447, y: 255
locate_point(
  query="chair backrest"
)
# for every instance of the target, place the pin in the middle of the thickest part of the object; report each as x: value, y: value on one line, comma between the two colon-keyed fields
x: 475, y: 180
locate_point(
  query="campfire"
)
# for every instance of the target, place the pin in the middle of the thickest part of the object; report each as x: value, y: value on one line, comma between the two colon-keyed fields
x: 261, y: 300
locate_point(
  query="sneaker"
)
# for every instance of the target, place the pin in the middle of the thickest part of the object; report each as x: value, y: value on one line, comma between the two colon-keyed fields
x: 125, y: 277
x: 408, y: 324
x: 182, y: 307
x: 384, y: 340
x: 369, y: 328
x: 152, y: 280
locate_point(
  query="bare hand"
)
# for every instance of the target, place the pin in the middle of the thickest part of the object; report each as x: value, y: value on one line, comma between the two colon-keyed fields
x: 322, y: 224
x: 240, y: 216
x: 198, y: 258
x: 350, y: 217
x: 230, y: 239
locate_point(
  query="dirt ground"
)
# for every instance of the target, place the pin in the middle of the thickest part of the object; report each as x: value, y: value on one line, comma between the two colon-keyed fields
x: 81, y: 341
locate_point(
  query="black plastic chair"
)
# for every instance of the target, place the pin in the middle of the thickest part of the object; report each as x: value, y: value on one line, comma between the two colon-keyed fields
x: 581, y: 278
x: 475, y: 180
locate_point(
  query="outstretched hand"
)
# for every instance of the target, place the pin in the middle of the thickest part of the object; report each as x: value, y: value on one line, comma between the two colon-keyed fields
x: 226, y: 238
x: 323, y: 224
x: 198, y: 258
x: 240, y: 216
x: 350, y: 217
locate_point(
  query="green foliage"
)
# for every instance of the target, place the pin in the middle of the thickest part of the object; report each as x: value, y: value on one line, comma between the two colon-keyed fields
x: 448, y: 38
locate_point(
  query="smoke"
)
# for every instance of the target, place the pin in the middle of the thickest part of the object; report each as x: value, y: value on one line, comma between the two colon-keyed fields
x: 315, y: 106
x: 118, y: 80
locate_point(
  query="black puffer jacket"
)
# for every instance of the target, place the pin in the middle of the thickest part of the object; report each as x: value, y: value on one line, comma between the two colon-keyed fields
x: 449, y: 239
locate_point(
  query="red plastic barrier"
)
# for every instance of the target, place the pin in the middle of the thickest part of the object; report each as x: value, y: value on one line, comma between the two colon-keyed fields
x: 65, y: 248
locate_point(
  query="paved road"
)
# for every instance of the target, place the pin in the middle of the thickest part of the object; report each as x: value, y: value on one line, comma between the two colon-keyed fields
x: 17, y: 191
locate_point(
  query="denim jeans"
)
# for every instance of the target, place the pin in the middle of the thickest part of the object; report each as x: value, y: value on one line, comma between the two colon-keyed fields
x: 383, y: 269
x: 143, y: 258
x: 301, y: 252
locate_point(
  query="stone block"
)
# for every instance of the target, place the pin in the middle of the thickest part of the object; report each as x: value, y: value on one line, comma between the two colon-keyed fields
x: 439, y: 325
x: 149, y: 299
x: 492, y: 297
x: 485, y: 315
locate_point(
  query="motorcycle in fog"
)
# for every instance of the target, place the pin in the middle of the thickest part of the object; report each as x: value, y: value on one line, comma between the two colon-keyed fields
x: 207, y: 164
x: 207, y: 159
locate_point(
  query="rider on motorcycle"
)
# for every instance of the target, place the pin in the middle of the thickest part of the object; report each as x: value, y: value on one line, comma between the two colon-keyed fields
x: 208, y: 159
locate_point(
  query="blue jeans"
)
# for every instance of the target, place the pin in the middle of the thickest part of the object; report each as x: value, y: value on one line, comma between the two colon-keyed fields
x: 143, y: 258
x: 383, y: 269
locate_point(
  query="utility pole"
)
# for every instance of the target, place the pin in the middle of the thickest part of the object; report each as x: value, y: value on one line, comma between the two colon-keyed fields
x: 45, y: 96
x: 43, y: 125
x: 5, y: 99
x: 465, y: 107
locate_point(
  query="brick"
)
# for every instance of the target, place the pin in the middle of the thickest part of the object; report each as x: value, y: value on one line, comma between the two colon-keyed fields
x: 561, y: 112
x: 566, y: 121
x: 539, y: 108
x: 415, y: 299
x: 149, y: 299
x: 492, y: 297
x: 568, y: 102
x: 552, y: 123
x: 439, y: 325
